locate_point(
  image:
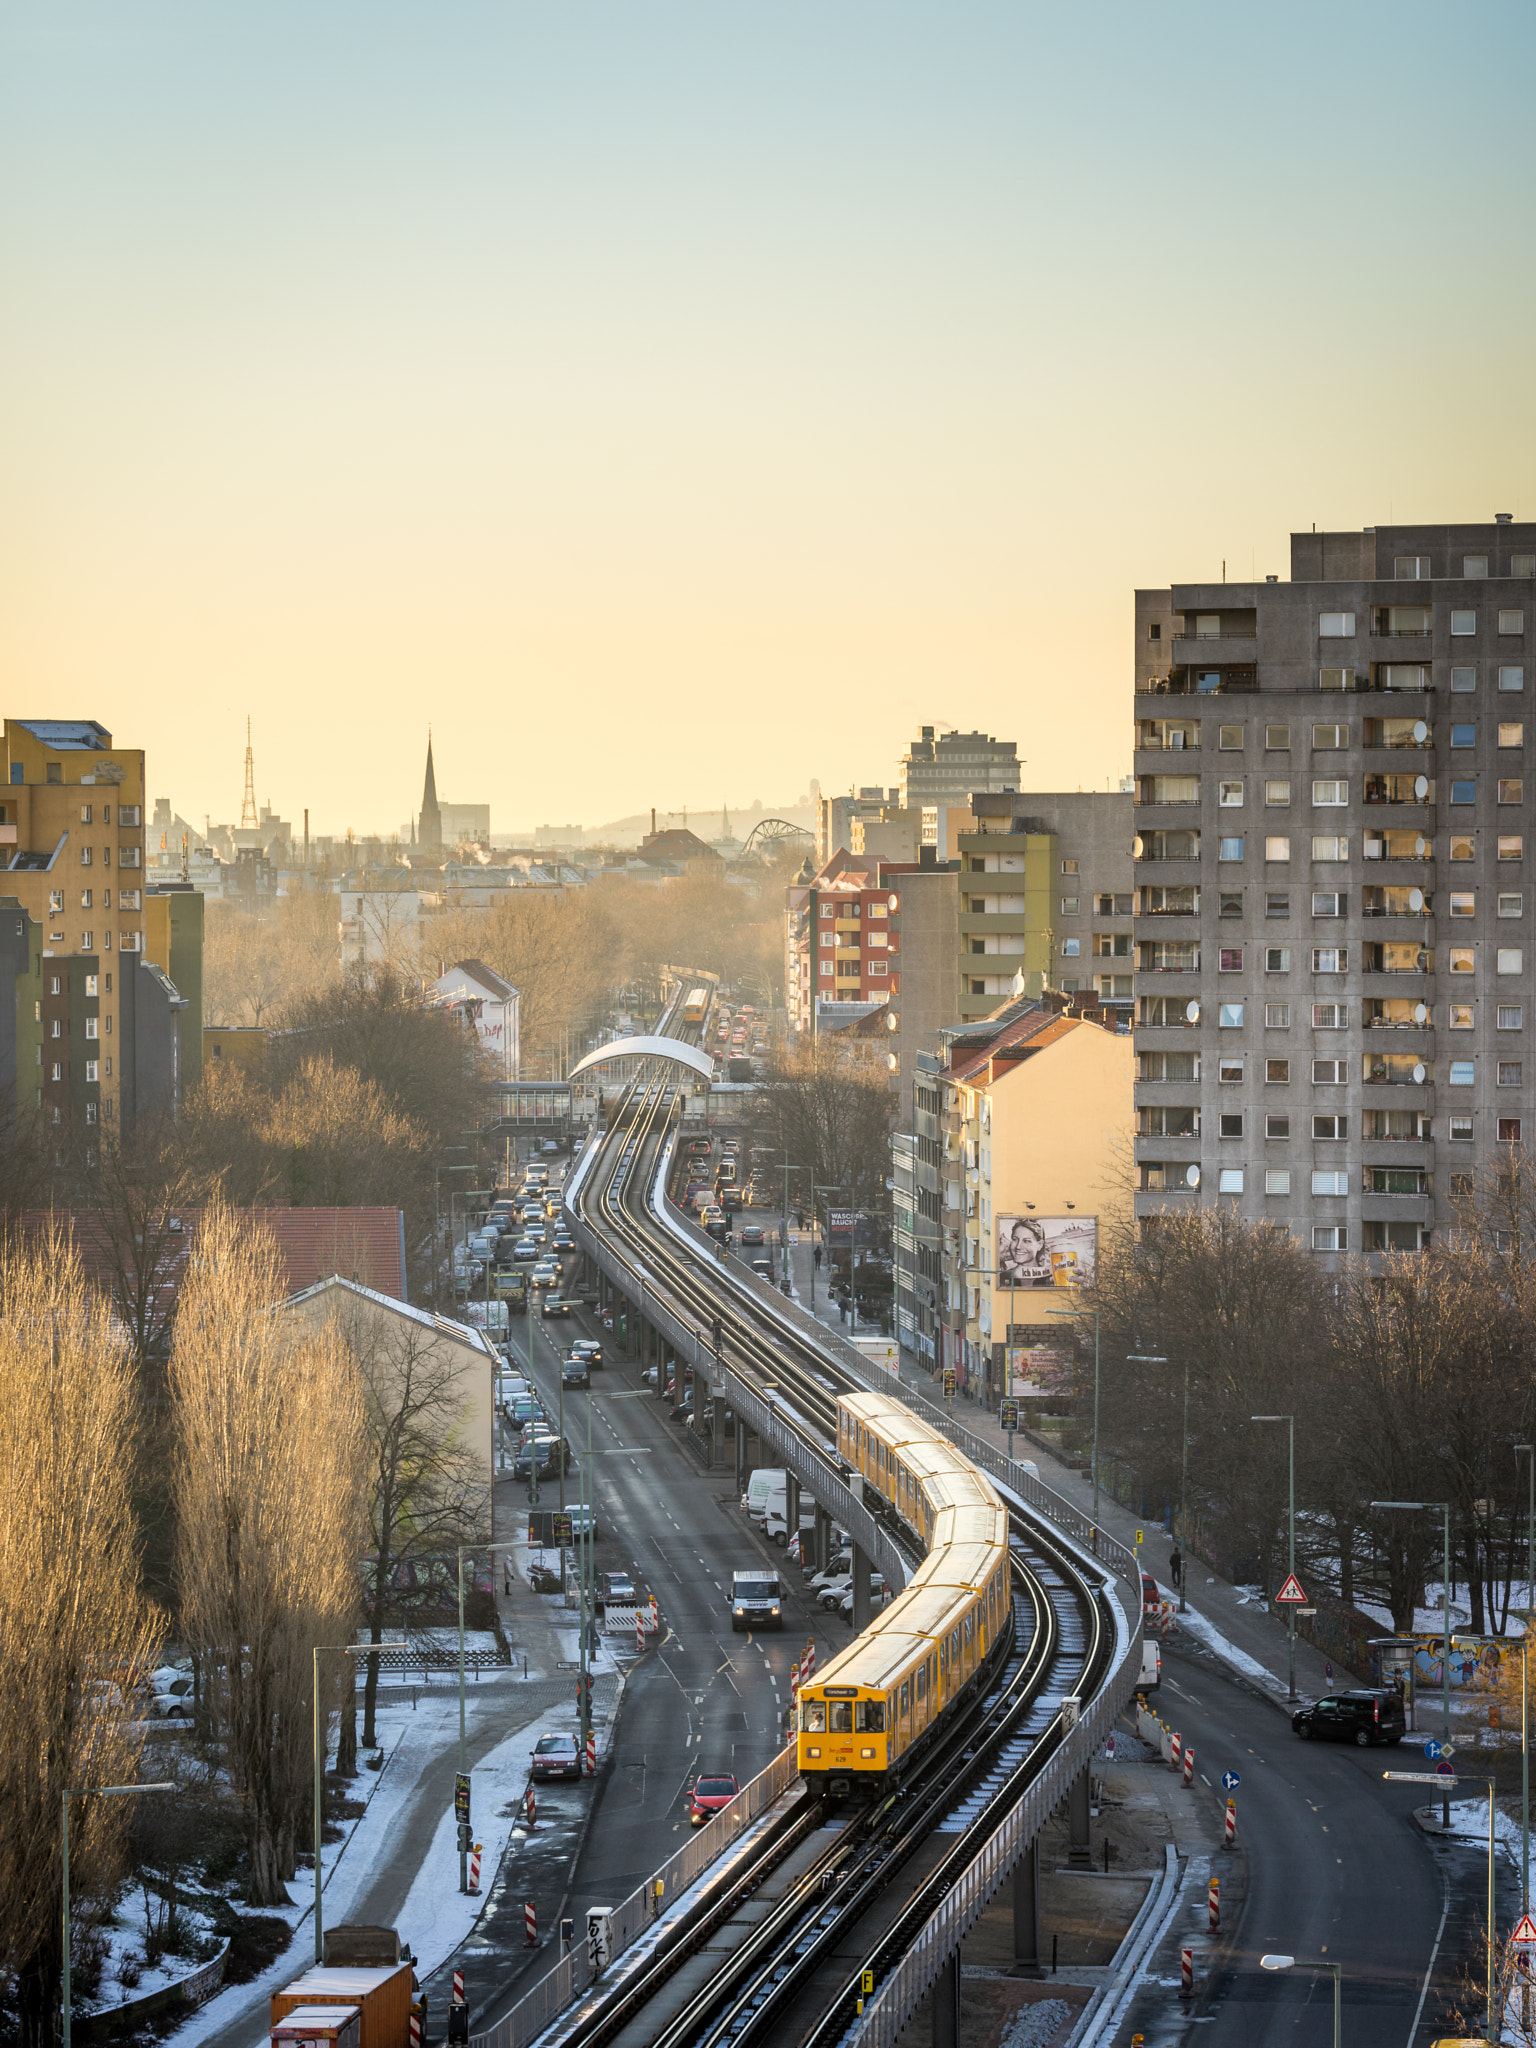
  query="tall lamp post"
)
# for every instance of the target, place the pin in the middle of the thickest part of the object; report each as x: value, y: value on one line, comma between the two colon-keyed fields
x: 1073, y: 1314
x: 463, y: 1749
x: 1157, y: 1358
x: 1438, y: 1507
x: 1290, y: 1612
x: 1308, y: 1963
x: 87, y: 1792
x: 788, y: 1167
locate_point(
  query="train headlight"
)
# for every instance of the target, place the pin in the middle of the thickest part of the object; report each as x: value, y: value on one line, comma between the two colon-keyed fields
x: 813, y: 1752
x: 866, y: 1752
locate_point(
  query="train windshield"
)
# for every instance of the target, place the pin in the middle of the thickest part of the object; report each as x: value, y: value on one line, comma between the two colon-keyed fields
x: 870, y: 1719
x: 813, y: 1718
x: 841, y: 1716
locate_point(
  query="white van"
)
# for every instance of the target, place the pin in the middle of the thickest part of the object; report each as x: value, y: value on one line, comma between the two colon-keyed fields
x: 1151, y: 1666
x: 767, y: 1488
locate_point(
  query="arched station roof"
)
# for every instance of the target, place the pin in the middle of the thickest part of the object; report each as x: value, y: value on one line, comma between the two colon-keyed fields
x: 673, y: 1049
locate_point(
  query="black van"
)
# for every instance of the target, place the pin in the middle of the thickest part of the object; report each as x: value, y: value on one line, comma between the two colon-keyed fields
x: 1363, y: 1717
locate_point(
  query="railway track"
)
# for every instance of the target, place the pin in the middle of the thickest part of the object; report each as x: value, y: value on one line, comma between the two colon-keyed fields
x: 797, y: 1972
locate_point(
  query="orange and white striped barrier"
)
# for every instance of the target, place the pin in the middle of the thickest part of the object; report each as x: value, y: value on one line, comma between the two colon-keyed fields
x: 1229, y: 1836
x: 1213, y: 1903
x: 794, y: 1681
x: 1178, y: 1744
x: 415, y: 2028
x: 531, y: 1806
x: 458, y: 1987
x: 531, y: 1923
x: 591, y: 1752
x: 1186, y: 1973
x: 474, y: 1867
x: 1189, y: 1764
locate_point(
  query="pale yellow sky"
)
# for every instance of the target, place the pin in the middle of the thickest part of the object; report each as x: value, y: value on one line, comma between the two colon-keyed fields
x: 672, y: 405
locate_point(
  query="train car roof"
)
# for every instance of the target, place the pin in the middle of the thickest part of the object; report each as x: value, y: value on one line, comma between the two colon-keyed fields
x: 875, y: 1659
x: 971, y: 1521
x: 960, y: 1564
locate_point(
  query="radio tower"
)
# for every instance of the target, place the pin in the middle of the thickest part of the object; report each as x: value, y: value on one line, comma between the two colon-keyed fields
x: 248, y: 817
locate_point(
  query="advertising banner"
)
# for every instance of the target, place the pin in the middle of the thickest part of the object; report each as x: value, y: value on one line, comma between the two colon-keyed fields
x: 1036, y: 1369
x: 1046, y: 1251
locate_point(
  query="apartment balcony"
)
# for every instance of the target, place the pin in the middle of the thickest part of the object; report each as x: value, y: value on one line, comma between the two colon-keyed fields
x: 1207, y: 679
x: 1409, y: 1152
x: 1224, y: 650
x: 995, y: 922
x: 1379, y: 788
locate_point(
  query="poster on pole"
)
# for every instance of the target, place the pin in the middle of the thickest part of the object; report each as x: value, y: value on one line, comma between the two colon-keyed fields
x: 1046, y: 1251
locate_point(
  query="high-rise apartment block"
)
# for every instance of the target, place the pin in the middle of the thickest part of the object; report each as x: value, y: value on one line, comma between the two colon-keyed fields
x: 1045, y: 893
x: 944, y: 768
x: 1332, y: 903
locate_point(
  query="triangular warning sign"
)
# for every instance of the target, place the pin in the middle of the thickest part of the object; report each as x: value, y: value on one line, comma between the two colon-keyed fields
x: 1525, y: 1933
x: 1290, y: 1594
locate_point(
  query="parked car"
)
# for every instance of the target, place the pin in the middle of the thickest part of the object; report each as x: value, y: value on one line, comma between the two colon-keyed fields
x: 557, y: 1304
x: 615, y: 1587
x: 555, y: 1756
x: 1373, y: 1714
x: 1151, y: 1595
x: 549, y: 1148
x: 573, y: 1372
x: 681, y: 1411
x: 709, y: 1796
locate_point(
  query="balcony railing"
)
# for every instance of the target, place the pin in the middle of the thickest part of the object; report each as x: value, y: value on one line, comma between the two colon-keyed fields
x: 1184, y: 684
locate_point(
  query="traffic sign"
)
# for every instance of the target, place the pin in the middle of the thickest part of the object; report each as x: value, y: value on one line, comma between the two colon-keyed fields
x: 1434, y: 1749
x: 1290, y: 1594
x: 563, y: 1529
x: 951, y: 1382
x: 1445, y: 1770
x: 1420, y: 1777
x: 1230, y: 1781
x: 1524, y: 1935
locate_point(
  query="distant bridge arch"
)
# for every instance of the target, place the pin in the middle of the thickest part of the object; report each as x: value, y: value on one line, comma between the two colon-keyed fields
x: 771, y: 832
x: 672, y: 1049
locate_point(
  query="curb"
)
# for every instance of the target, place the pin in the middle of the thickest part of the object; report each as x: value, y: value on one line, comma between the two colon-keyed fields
x: 1157, y: 1910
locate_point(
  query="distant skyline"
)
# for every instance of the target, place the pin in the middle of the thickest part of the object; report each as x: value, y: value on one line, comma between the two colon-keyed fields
x: 666, y: 399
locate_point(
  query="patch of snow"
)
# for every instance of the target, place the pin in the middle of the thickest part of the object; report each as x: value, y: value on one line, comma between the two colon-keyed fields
x: 1033, y: 2025
x: 1206, y: 1632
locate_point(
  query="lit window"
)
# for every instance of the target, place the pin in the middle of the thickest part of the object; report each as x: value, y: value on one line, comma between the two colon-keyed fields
x: 1511, y: 846
x: 1463, y: 846
x: 1459, y: 1016
x: 1463, y: 624
x: 1277, y: 849
x: 1511, y: 735
x: 1463, y: 902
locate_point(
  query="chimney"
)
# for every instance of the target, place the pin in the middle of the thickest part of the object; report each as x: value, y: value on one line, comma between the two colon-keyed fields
x: 653, y: 821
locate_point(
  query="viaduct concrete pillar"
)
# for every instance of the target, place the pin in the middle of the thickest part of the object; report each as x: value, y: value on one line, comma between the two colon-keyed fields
x: 946, y: 2004
x: 1081, y: 1855
x: 791, y: 1505
x: 862, y: 1605
x: 823, y: 1551
x: 1026, y: 1910
x: 741, y: 1455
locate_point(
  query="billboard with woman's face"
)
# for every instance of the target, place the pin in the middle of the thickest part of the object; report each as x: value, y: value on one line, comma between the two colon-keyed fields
x: 1046, y: 1251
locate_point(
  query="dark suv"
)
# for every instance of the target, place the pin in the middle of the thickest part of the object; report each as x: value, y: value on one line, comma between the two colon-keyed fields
x: 1361, y: 1717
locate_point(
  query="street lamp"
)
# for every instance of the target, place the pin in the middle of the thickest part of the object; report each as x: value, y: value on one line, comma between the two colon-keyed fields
x: 1157, y: 1358
x: 463, y: 1752
x: 1423, y: 1778
x: 87, y: 1792
x: 1438, y: 1507
x: 1290, y: 1612
x: 1525, y: 1682
x: 1073, y: 1314
x: 1308, y: 1963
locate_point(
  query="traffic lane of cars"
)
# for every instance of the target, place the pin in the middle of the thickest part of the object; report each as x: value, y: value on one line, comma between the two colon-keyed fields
x: 1335, y: 1866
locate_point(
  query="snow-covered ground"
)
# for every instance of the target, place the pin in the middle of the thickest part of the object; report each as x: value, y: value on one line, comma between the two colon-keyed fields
x: 127, y: 1975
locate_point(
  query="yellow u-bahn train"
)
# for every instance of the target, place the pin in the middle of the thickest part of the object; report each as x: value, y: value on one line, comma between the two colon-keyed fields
x: 696, y: 1009
x: 879, y: 1701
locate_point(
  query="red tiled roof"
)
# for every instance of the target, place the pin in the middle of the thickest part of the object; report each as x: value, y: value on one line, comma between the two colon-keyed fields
x: 367, y: 1245
x: 1036, y: 1029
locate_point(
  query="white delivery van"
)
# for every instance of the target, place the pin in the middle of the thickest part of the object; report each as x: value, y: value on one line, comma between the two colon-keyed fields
x: 768, y: 1487
x: 488, y: 1315
x: 1151, y: 1667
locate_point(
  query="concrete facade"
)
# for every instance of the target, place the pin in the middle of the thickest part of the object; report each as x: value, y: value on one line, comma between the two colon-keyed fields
x: 941, y: 768
x: 1333, y: 909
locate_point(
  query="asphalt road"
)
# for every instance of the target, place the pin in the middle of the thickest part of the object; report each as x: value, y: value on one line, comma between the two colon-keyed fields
x: 1336, y: 1870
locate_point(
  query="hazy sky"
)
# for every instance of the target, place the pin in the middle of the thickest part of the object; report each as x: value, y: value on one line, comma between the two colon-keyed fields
x: 675, y: 402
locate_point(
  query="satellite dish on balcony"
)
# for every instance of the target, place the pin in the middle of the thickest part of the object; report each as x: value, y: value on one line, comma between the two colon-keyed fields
x: 1136, y: 847
x: 1421, y: 1013
x: 1192, y: 1176
x: 1419, y: 1070
x: 1421, y: 787
x: 1192, y: 1013
x: 1421, y: 847
x: 1415, y: 899
x: 1420, y: 731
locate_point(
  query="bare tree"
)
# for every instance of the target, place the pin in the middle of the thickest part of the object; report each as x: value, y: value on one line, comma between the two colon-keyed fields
x: 76, y: 1631
x: 270, y: 1520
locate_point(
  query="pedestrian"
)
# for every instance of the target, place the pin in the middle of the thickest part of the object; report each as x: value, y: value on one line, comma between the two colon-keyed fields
x: 816, y: 1258
x: 842, y: 1308
x: 1175, y: 1567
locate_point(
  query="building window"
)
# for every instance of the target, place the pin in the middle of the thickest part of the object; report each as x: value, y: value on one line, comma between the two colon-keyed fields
x: 1330, y: 1182
x: 1330, y: 1016
x: 52, y: 772
x: 58, y: 1071
x: 1071, y: 948
x: 1229, y: 739
x: 1463, y: 681
x: 1230, y: 1181
x: 1229, y: 960
x: 1330, y: 846
x: 1230, y: 1017
x: 1229, y: 1071
x: 1463, y: 624
x: 1277, y: 848
x: 1511, y: 1017
x: 829, y: 910
x: 1328, y: 737
x: 1511, y: 622
x: 1329, y: 903
x: 91, y: 1069
x: 1509, y: 960
x: 1512, y: 678
x: 85, y: 856
x: 1277, y: 792
x: 1229, y: 849
x: 1509, y: 1131
x: 1464, y: 792
x: 1330, y: 1237
x: 1511, y: 734
x: 1463, y: 903
x: 1474, y: 565
x: 1336, y: 626
x: 877, y: 966
x: 1069, y: 867
x: 90, y: 1026
x: 1277, y: 1180
x: 1509, y: 1073
x: 1411, y: 568
x: 1463, y: 960
x: 1069, y: 906
x: 1155, y: 631
x: 1277, y: 904
x: 1463, y: 735
x: 1330, y: 793
x: 1510, y: 789
x: 1277, y: 959
x: 1330, y: 959
x: 1229, y: 903
x: 1277, y: 1123
x: 1230, y: 796
x: 1459, y: 1016
x: 1277, y: 1017
x: 1330, y: 1128
x: 1511, y: 846
x: 1461, y: 1186
x: 1462, y: 1073
x: 1327, y: 1073
x: 1277, y: 1072
x: 1463, y: 846
x: 1231, y: 1123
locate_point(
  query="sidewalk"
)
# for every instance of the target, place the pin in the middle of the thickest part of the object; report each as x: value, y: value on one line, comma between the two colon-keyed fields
x: 1227, y: 1620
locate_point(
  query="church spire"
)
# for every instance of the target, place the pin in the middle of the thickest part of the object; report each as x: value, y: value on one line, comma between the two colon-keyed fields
x: 430, y: 831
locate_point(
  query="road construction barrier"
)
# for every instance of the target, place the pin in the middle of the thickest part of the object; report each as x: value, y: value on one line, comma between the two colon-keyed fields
x: 458, y: 1987
x: 531, y: 1923
x: 591, y: 1752
x: 531, y: 1806
x: 415, y: 2028
x: 1189, y: 1764
x: 1178, y: 1744
x: 1186, y: 1972
x: 474, y: 1867
x: 1213, y: 1903
x: 639, y: 1634
x: 1229, y: 1835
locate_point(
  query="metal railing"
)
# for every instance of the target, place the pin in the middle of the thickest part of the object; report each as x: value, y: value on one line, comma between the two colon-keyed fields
x: 555, y: 1991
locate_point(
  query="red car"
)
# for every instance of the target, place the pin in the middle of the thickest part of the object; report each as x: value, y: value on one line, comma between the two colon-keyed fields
x: 709, y: 1797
